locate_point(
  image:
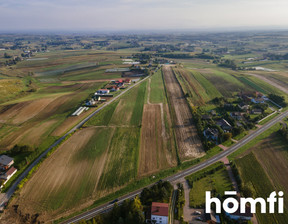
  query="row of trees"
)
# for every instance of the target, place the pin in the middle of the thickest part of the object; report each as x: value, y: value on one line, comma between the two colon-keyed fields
x: 278, y: 99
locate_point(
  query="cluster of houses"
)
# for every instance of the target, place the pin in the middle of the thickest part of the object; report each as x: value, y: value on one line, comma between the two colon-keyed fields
x: 6, y: 169
x: 254, y: 97
x: 100, y: 95
x: 238, y: 112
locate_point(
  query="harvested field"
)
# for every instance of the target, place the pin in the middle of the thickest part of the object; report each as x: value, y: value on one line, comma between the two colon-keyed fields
x: 69, y: 177
x: 32, y: 134
x: 27, y: 115
x: 22, y: 112
x: 188, y: 141
x: 154, y: 152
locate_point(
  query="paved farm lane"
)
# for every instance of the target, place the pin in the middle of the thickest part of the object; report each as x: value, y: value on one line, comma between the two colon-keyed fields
x: 188, y: 141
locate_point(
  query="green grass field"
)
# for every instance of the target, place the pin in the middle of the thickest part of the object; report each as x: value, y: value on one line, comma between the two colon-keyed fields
x: 252, y: 84
x: 210, y: 89
x: 225, y: 83
x: 157, y: 91
x: 104, y: 116
x: 10, y: 88
x: 218, y: 182
x: 130, y: 107
x: 121, y: 168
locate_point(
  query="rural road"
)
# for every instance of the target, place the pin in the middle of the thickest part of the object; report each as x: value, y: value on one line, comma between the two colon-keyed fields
x: 176, y: 177
x: 4, y: 197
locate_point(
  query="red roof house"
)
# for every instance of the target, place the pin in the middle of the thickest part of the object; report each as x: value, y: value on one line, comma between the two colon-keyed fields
x: 160, y: 212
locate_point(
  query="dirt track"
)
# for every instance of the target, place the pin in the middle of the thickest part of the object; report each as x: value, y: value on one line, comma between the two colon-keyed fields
x: 188, y: 141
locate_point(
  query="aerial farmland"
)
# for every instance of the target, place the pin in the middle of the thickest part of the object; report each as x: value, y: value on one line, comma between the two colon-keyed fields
x: 127, y: 115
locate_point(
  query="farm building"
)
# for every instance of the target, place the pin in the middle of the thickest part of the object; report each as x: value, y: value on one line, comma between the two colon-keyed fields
x: 6, y: 162
x: 79, y: 111
x: 159, y: 213
x: 7, y: 175
x: 102, y: 91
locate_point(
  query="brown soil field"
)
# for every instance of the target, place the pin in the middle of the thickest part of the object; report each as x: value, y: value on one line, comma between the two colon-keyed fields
x: 33, y: 135
x: 27, y: 115
x: 24, y: 111
x: 188, y: 141
x: 28, y: 134
x: 154, y: 154
x: 64, y: 177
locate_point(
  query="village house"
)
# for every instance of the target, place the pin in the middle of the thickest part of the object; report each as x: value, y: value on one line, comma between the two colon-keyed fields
x: 258, y: 100
x: 243, y: 106
x: 5, y: 176
x: 236, y: 115
x: 102, y: 91
x: 159, y: 213
x: 115, y: 88
x: 213, y: 112
x: 127, y: 81
x: 6, y: 162
x: 90, y: 102
x: 206, y: 117
x: 257, y: 111
x: 224, y: 124
x: 211, y: 134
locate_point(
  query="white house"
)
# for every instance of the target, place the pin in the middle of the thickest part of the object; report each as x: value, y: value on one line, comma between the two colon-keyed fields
x: 102, y: 91
x: 159, y: 212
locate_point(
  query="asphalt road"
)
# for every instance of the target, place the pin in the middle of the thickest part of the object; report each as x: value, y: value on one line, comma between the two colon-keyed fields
x: 4, y: 197
x: 174, y: 178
